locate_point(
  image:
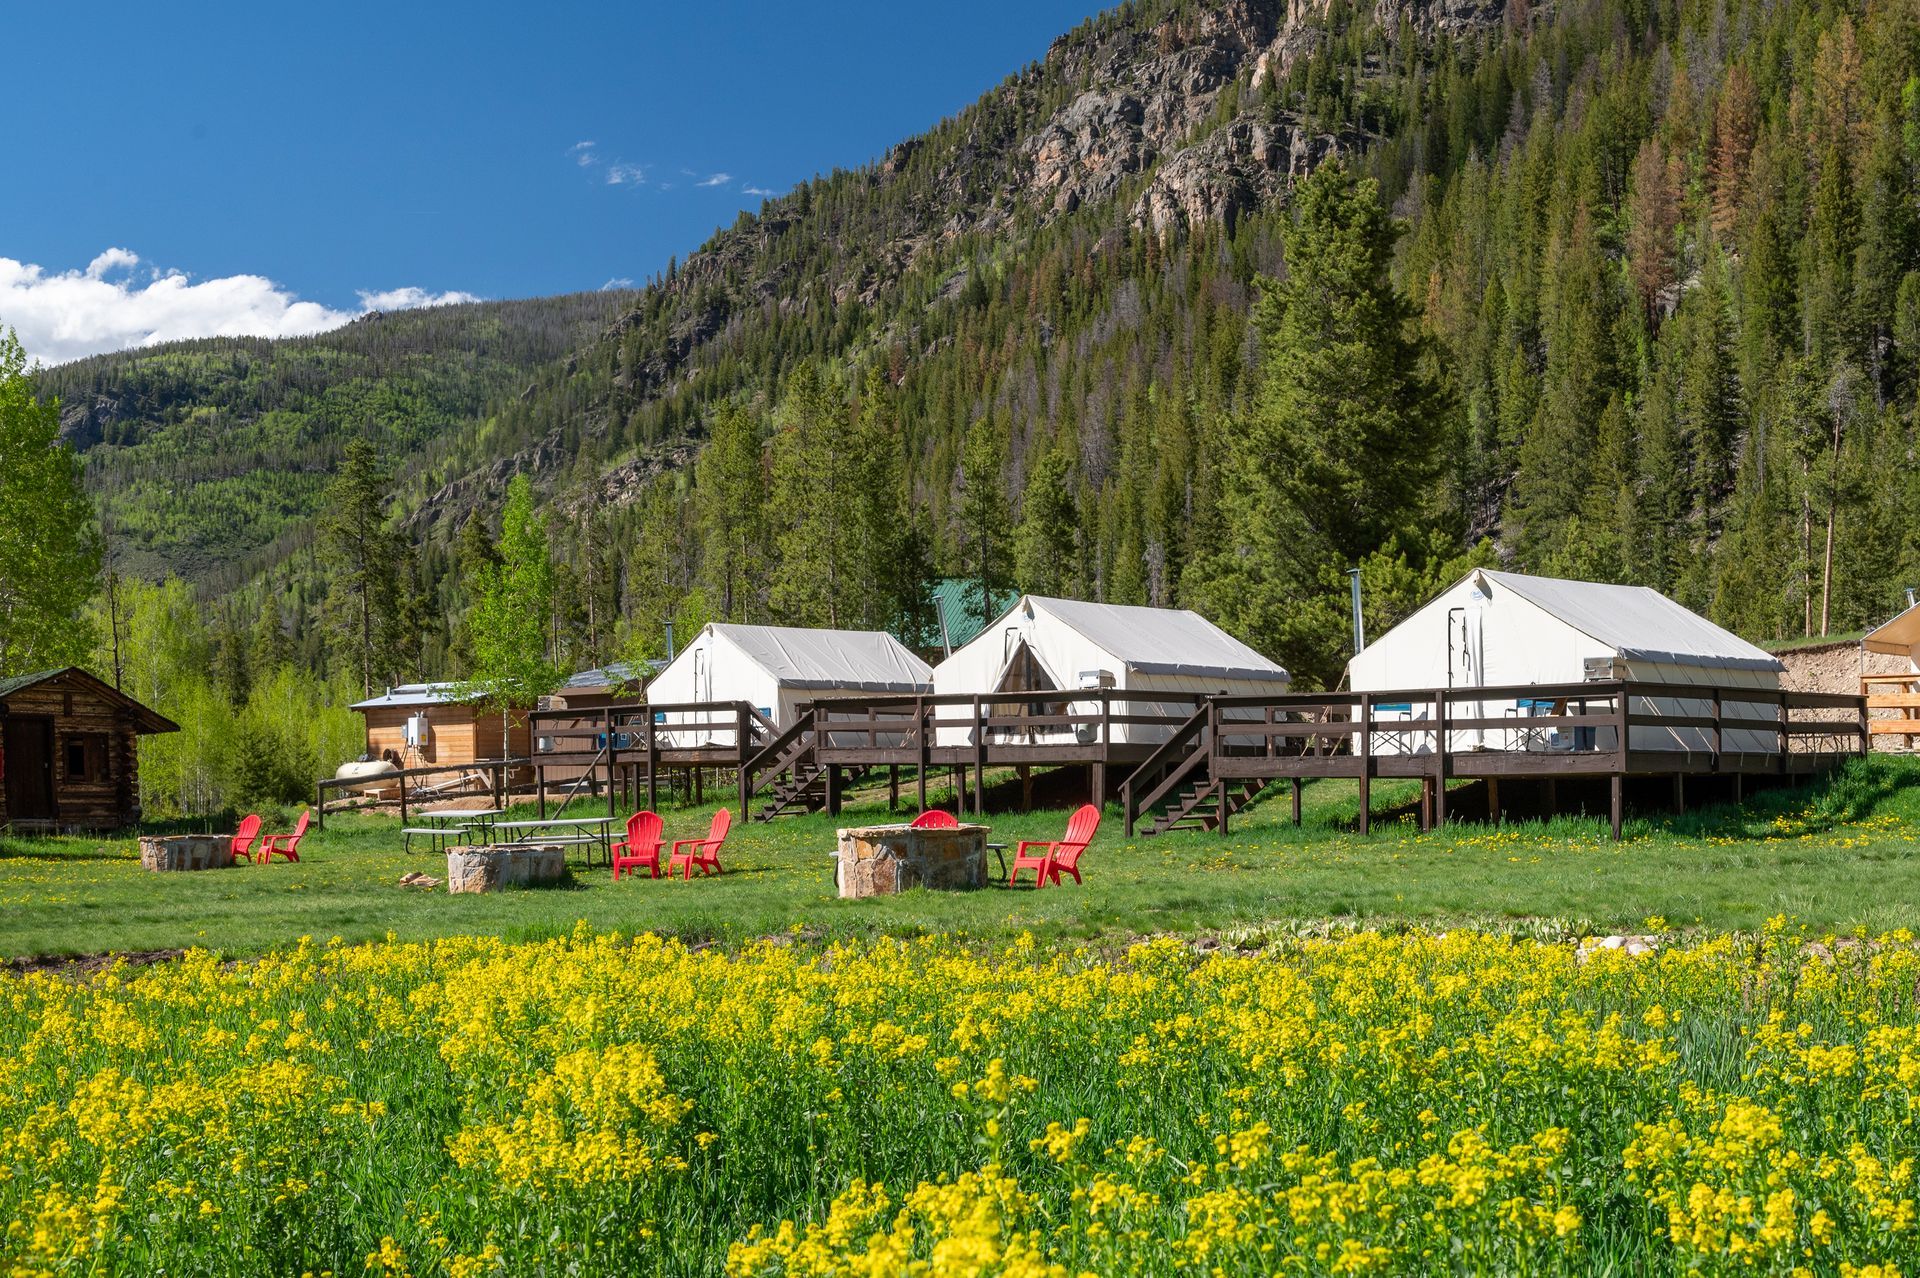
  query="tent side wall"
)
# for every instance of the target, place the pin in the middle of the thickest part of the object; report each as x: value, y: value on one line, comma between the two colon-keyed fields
x: 710, y: 669
x: 1514, y: 641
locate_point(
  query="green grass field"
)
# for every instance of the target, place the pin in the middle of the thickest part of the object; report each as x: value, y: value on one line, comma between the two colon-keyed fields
x: 1841, y: 854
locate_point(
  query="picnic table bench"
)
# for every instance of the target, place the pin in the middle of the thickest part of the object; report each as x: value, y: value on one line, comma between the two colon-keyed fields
x: 436, y: 835
x: 601, y: 825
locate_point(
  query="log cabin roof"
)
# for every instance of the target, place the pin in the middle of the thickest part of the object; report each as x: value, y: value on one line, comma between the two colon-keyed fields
x: 145, y: 719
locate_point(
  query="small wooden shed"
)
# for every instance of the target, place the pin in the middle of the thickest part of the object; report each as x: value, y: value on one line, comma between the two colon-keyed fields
x: 69, y: 755
x: 425, y: 725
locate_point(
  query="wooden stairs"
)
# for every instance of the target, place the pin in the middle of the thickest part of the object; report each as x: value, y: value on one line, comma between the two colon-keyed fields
x: 803, y: 788
x: 1198, y: 806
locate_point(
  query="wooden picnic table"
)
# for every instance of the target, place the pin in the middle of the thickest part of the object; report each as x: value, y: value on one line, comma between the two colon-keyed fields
x: 481, y: 819
x: 603, y: 838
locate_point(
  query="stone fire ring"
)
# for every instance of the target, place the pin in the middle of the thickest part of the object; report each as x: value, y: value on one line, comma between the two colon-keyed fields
x: 163, y: 853
x: 880, y: 860
x: 488, y: 869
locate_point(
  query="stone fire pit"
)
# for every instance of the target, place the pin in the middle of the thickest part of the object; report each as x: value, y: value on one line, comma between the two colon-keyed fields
x: 878, y: 860
x: 486, y: 869
x: 161, y: 853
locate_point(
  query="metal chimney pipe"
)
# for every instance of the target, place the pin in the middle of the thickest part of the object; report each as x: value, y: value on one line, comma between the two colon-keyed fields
x: 1359, y: 626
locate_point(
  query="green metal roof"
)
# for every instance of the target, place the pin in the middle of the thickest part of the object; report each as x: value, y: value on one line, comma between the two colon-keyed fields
x: 14, y: 684
x: 962, y: 617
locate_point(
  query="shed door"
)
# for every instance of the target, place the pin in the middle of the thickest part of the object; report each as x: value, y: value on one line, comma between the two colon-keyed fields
x: 29, y: 764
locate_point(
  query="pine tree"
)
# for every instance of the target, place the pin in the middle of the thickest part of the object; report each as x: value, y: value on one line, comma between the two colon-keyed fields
x: 49, y: 545
x: 733, y: 515
x: 1343, y: 442
x: 365, y: 558
x: 817, y: 577
x: 984, y: 557
x: 1044, y: 550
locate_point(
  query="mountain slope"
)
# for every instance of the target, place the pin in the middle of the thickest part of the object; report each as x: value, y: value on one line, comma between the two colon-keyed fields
x: 1670, y: 255
x: 208, y: 457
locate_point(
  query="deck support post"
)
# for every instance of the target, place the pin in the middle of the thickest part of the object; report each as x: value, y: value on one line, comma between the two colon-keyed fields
x: 1365, y: 738
x: 606, y: 726
x: 1440, y: 760
x: 742, y: 733
x: 833, y: 789
x: 1616, y: 802
x: 979, y: 760
x: 960, y: 788
x: 1493, y: 800
x: 1220, y: 792
x: 653, y: 765
x: 925, y: 733
x: 1296, y: 800
x: 1679, y: 792
x: 893, y: 787
x: 1097, y: 783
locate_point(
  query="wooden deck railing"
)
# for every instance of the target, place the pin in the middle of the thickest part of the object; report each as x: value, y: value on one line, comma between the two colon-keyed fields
x: 1611, y: 729
x: 635, y: 740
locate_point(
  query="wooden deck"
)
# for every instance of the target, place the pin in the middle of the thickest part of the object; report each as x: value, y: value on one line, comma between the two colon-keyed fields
x: 629, y: 749
x: 1898, y: 693
x: 1236, y: 746
x: 1186, y: 761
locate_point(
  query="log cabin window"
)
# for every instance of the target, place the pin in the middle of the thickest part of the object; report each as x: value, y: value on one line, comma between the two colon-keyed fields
x: 87, y: 757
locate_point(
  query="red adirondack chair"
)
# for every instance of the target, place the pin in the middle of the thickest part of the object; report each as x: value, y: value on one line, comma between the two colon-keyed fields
x: 641, y: 851
x: 1062, y: 854
x: 704, y: 853
x: 242, y: 845
x: 287, y: 845
x: 936, y: 819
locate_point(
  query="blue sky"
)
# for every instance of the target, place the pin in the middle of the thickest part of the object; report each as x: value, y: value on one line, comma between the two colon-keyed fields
x: 312, y: 159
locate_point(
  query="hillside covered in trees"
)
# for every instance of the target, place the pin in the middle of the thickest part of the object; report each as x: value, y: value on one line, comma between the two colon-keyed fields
x: 1621, y: 289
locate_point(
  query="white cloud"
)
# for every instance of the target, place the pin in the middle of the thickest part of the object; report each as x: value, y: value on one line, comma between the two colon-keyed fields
x: 64, y: 315
x: 625, y: 175
x: 109, y: 260
x: 756, y: 190
x: 617, y: 282
x: 718, y: 179
x: 410, y: 298
x: 582, y: 153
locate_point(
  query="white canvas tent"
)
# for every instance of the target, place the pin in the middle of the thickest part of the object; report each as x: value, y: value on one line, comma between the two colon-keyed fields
x: 776, y: 669
x: 1897, y: 638
x: 1065, y: 644
x: 1494, y: 629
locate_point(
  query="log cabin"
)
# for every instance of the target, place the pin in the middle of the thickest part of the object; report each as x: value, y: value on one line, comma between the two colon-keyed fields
x: 69, y: 752
x: 424, y: 725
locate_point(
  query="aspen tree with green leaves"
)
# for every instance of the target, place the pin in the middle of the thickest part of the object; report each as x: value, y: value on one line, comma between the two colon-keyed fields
x: 49, y: 543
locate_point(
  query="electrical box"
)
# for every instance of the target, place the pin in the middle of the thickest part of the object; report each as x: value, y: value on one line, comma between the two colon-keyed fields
x: 417, y: 731
x: 1596, y: 669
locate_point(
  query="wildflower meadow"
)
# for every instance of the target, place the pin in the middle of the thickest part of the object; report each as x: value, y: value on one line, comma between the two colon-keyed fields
x: 1367, y: 1102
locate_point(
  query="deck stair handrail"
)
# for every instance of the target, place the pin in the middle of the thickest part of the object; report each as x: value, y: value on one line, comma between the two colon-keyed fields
x: 783, y: 753
x: 1179, y: 757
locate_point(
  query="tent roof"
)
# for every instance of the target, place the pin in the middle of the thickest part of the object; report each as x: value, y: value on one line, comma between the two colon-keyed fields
x: 145, y: 719
x: 1897, y: 637
x: 1174, y: 641
x: 1636, y: 622
x: 866, y: 660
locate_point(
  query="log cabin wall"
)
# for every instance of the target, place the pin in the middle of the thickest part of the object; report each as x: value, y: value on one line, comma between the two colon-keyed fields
x: 95, y: 761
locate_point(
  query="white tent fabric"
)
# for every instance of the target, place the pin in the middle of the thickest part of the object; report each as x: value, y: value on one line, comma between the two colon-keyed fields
x: 1069, y: 643
x: 1898, y: 638
x: 1494, y: 629
x: 1638, y: 623
x: 776, y: 669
